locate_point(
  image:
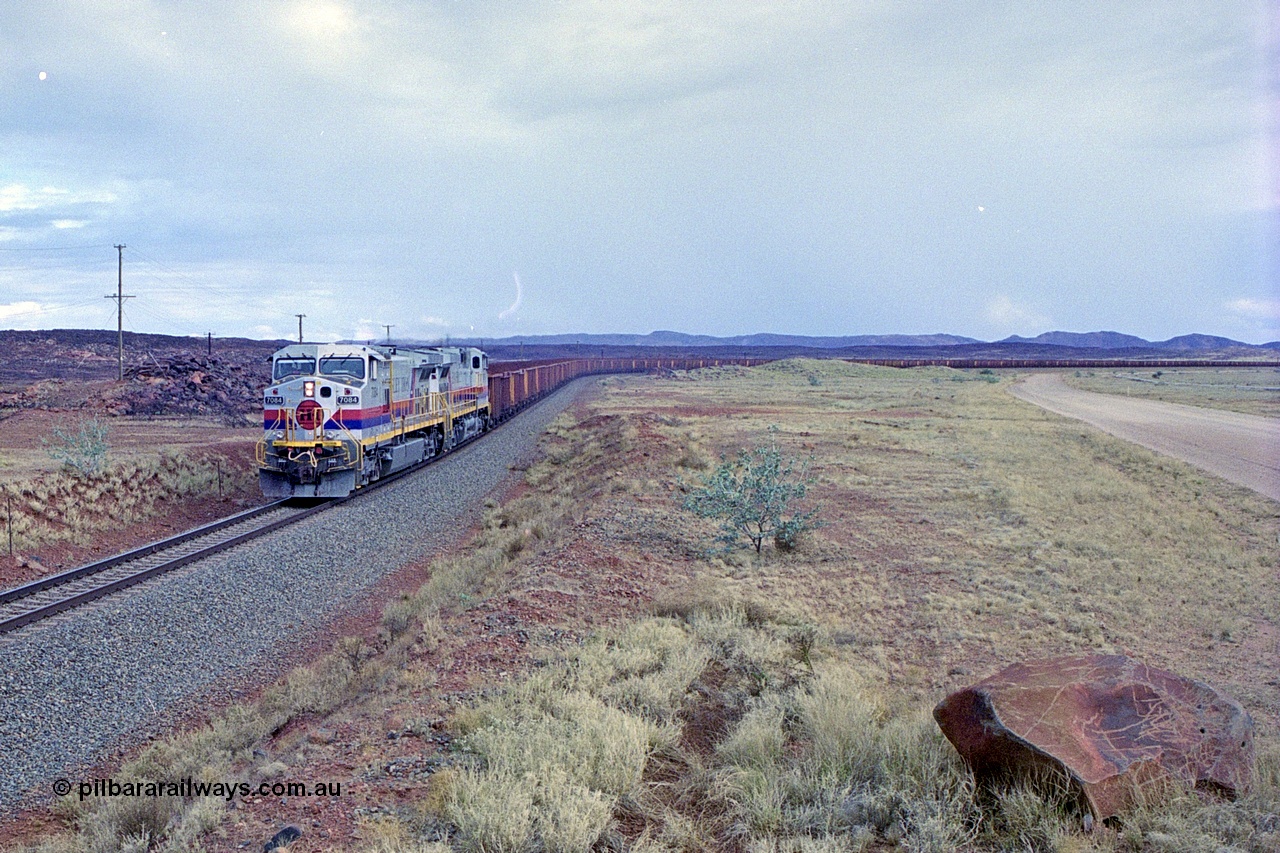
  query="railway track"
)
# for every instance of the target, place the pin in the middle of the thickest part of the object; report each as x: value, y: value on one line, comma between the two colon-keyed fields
x: 64, y: 591
x: 51, y: 595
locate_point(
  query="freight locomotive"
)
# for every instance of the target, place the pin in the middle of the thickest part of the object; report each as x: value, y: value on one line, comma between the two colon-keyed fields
x: 337, y: 417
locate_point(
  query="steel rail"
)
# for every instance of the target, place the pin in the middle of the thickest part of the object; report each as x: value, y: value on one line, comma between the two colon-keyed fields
x: 76, y: 599
x: 137, y: 553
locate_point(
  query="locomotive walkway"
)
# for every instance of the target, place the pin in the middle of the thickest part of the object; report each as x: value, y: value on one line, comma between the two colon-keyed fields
x: 1244, y: 449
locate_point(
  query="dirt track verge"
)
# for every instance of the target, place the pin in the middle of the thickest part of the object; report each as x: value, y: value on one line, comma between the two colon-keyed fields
x: 1244, y: 449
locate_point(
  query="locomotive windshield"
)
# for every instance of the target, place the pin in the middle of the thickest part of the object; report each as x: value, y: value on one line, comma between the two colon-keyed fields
x: 287, y: 367
x: 352, y: 366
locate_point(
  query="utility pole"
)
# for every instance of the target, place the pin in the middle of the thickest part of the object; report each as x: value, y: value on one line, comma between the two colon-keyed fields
x: 120, y: 298
x: 210, y: 343
x: 299, y: 316
x: 388, y: 328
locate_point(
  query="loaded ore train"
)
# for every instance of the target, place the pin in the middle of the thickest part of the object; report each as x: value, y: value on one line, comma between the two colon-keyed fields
x: 338, y: 417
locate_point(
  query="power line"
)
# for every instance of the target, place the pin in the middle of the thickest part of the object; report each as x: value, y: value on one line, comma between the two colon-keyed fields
x: 165, y: 267
x: 167, y: 321
x: 93, y: 246
x: 202, y: 286
x: 51, y: 309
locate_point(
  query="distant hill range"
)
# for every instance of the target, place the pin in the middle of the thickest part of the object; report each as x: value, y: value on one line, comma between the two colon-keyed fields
x: 1047, y: 343
x: 1117, y: 340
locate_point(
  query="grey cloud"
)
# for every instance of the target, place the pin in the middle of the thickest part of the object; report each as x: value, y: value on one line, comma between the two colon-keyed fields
x: 722, y: 167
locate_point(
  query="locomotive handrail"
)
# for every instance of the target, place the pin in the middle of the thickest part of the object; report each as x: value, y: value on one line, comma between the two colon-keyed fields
x: 350, y: 437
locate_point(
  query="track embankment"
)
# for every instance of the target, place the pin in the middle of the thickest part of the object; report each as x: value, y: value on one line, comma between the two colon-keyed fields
x: 1244, y: 449
x: 78, y: 686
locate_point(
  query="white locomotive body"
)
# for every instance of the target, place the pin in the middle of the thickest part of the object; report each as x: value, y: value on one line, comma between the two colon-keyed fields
x: 339, y: 416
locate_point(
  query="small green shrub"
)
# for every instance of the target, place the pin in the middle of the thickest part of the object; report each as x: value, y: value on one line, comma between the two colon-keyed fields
x: 84, y: 451
x: 753, y: 496
x: 398, y: 616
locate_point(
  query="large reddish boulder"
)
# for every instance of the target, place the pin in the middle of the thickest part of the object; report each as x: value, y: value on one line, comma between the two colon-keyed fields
x: 1111, y: 723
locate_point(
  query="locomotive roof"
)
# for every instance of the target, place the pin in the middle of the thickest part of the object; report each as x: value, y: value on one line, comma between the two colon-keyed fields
x: 429, y: 355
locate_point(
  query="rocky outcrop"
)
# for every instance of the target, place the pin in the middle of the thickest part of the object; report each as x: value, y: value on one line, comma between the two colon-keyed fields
x: 1110, y: 723
x: 191, y: 385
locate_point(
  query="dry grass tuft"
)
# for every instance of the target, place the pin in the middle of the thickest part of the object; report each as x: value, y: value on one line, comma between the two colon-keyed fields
x: 702, y: 733
x: 720, y: 758
x: 62, y: 506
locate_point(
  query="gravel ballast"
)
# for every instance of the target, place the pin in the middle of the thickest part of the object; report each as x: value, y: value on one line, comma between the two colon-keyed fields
x: 79, y: 684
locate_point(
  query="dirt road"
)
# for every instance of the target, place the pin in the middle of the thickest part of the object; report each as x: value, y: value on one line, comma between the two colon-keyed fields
x: 1244, y: 449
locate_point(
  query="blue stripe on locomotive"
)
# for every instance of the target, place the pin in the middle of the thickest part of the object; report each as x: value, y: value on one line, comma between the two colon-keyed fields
x: 354, y: 419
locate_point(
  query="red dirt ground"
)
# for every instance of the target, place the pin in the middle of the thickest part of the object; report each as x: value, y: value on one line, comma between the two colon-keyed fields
x: 384, y: 754
x: 20, y: 441
x: 382, y: 758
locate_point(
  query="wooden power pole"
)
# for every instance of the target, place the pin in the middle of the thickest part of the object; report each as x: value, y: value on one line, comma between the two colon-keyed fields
x: 120, y: 298
x: 299, y: 316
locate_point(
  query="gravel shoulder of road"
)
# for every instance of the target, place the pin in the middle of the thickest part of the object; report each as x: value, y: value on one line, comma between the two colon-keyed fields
x: 1243, y: 449
x: 77, y: 686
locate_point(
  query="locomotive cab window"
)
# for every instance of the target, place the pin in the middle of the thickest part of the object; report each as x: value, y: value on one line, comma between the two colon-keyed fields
x: 475, y: 362
x: 286, y: 368
x: 348, y: 365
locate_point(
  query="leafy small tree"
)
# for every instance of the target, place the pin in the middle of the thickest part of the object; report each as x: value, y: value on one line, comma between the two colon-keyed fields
x: 84, y: 452
x: 754, y: 496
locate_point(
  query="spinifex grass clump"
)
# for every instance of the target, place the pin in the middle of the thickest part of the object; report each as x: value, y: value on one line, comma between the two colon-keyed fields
x: 704, y: 732
x: 754, y: 496
x: 71, y: 506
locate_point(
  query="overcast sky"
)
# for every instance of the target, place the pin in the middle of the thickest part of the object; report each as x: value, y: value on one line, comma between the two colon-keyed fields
x: 507, y: 167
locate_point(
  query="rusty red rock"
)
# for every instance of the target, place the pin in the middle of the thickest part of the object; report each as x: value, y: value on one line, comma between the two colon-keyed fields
x: 1112, y: 724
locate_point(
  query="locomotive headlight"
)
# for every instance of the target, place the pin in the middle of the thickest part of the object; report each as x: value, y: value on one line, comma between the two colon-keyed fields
x: 308, y: 388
